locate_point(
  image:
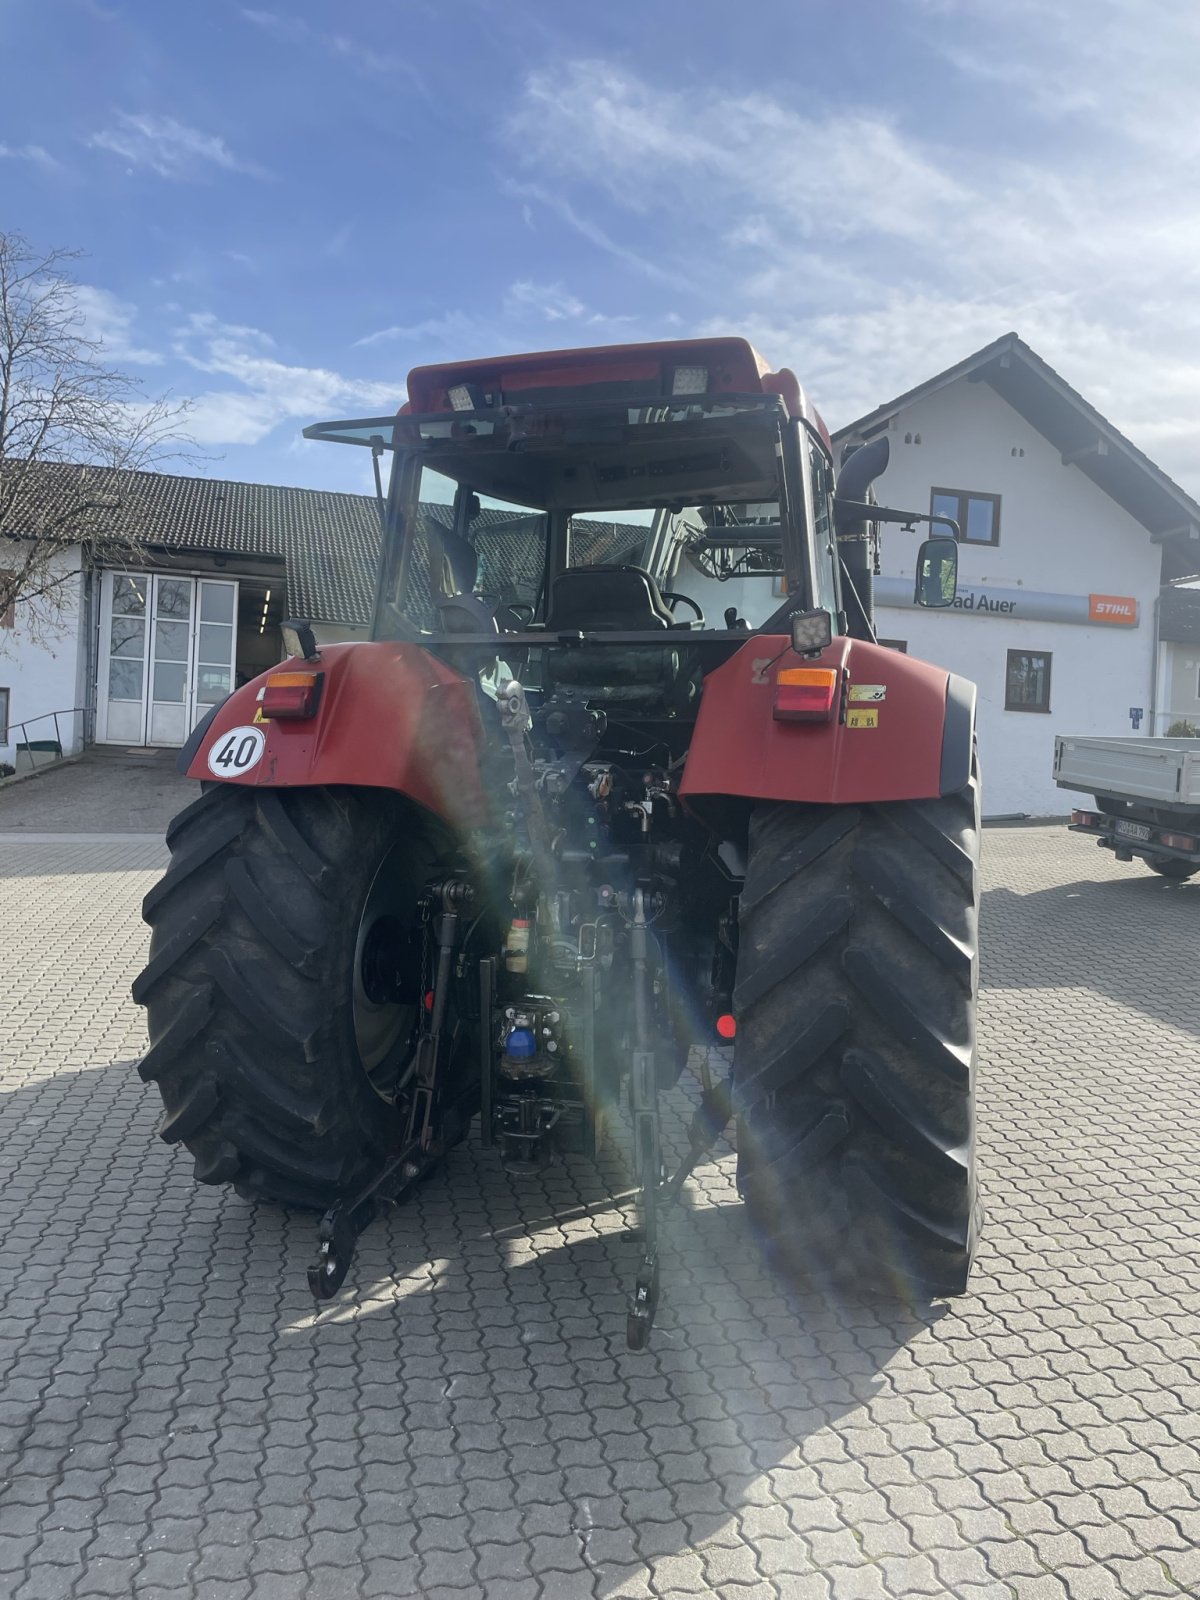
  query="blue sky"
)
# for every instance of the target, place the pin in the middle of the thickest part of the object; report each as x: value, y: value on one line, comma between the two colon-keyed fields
x: 286, y: 206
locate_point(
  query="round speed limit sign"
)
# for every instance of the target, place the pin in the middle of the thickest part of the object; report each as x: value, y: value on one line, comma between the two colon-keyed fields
x: 236, y: 752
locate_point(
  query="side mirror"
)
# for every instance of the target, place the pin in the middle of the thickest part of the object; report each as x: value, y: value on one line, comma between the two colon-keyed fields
x: 812, y: 632
x: 937, y: 572
x: 299, y: 639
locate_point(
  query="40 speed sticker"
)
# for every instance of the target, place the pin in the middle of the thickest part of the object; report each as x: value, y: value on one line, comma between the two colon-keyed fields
x: 236, y: 751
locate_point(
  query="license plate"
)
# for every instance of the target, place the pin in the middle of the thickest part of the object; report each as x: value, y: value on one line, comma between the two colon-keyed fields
x: 1133, y: 830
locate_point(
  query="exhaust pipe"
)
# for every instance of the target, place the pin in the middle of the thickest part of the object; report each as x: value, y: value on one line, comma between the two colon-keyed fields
x: 862, y: 467
x: 858, y: 473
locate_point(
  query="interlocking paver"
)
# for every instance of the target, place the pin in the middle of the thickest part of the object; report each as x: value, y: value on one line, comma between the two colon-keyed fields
x: 465, y: 1421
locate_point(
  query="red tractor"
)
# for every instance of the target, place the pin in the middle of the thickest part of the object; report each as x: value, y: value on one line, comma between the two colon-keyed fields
x: 554, y: 825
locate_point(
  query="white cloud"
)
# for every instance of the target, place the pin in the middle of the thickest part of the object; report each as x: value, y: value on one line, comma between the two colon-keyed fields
x: 1114, y: 73
x: 549, y: 302
x: 366, y: 59
x: 451, y: 328
x: 868, y: 256
x: 519, y: 322
x: 591, y: 231
x: 111, y: 320
x: 169, y: 148
x: 266, y: 390
x: 638, y: 140
x: 37, y: 155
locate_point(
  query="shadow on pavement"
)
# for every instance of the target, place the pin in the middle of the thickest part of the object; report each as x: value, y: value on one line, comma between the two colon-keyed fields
x: 468, y: 1399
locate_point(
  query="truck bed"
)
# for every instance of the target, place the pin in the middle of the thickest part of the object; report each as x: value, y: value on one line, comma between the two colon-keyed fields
x: 1165, y: 772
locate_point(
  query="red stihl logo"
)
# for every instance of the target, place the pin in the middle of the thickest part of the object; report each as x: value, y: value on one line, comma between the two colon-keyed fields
x: 1112, y: 608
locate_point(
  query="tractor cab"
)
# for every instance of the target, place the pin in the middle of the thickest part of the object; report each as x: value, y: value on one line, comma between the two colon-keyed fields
x: 613, y: 523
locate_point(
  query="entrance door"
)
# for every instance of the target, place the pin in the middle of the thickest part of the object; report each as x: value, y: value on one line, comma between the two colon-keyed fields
x: 167, y: 655
x: 216, y: 646
x: 170, y: 657
x: 124, y: 652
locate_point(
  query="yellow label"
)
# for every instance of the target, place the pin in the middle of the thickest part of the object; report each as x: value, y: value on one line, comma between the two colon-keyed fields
x: 862, y: 717
x: 258, y: 715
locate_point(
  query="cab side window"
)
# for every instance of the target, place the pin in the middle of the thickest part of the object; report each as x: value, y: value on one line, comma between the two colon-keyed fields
x: 828, y: 596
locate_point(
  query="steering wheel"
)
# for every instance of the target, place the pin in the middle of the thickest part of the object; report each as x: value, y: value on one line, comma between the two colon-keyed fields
x: 673, y: 598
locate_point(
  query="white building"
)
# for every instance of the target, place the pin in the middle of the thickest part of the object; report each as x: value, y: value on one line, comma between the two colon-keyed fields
x: 144, y: 649
x: 1067, y: 533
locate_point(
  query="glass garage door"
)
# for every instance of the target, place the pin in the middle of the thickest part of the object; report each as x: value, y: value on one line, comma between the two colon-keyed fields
x: 167, y: 654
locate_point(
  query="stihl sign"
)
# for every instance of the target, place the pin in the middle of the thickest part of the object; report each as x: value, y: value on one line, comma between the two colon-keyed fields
x: 1112, y: 608
x: 1023, y: 605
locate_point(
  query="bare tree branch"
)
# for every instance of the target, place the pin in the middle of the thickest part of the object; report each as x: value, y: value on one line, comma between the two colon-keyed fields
x: 71, y: 429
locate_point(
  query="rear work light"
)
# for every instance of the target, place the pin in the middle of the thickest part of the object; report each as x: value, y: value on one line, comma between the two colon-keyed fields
x: 291, y: 694
x: 805, y: 694
x: 690, y: 380
x: 461, y: 397
x: 1178, y: 841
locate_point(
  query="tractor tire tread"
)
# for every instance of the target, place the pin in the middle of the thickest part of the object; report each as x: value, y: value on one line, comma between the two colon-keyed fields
x: 251, y: 1048
x: 854, y: 1064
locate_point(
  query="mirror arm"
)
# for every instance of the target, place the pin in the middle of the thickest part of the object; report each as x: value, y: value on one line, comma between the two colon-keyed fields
x: 955, y: 530
x: 863, y: 511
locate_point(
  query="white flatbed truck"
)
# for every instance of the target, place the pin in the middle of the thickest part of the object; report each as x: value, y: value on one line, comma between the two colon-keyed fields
x: 1147, y: 798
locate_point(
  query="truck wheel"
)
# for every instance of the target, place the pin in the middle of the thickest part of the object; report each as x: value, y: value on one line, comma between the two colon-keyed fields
x: 855, y: 1058
x: 1177, y: 871
x: 283, y: 984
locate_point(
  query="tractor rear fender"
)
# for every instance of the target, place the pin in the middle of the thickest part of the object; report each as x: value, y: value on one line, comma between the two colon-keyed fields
x: 900, y: 730
x: 388, y: 716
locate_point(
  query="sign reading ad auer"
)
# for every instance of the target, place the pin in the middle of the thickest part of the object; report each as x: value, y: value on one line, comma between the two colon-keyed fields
x: 1024, y: 605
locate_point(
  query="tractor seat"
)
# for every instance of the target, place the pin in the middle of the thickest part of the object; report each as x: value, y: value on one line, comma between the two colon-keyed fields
x: 615, y: 599
x: 650, y: 679
x: 455, y: 567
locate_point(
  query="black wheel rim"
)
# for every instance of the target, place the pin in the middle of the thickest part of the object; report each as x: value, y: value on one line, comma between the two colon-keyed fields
x: 387, y: 973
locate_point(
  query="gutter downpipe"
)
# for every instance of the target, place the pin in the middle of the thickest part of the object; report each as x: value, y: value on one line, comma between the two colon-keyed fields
x: 1155, y: 668
x: 89, y: 699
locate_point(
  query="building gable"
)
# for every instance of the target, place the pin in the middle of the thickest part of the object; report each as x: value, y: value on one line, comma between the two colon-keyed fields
x: 1079, y: 434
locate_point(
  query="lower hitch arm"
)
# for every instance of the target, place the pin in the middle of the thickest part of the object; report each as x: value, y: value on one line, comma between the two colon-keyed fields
x: 656, y: 1195
x: 342, y: 1224
x: 647, y: 1141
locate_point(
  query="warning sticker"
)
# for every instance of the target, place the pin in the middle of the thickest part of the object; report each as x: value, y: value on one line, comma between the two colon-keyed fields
x: 868, y: 691
x: 863, y: 718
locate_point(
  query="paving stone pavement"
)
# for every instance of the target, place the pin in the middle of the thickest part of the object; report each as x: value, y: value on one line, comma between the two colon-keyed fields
x: 465, y: 1420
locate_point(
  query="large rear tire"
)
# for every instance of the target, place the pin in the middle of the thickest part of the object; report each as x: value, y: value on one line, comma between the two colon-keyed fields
x: 283, y: 984
x: 855, y: 1059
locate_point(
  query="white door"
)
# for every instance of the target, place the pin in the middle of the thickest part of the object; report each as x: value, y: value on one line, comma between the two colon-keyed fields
x: 173, y: 607
x: 216, y: 645
x: 124, y: 657
x: 167, y: 654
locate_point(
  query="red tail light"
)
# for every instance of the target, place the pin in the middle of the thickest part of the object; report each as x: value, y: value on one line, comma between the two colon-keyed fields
x: 1178, y: 841
x: 727, y: 1026
x: 1085, y: 819
x: 805, y: 694
x: 292, y: 694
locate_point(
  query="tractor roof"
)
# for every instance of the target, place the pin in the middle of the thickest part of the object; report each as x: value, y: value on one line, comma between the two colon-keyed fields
x: 637, y: 372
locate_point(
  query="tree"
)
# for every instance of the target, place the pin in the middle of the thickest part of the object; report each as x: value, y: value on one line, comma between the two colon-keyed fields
x: 67, y: 419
